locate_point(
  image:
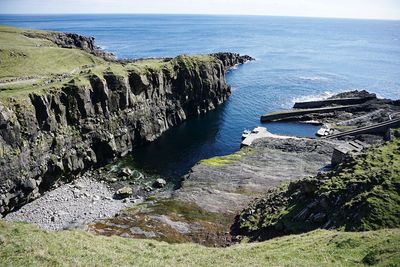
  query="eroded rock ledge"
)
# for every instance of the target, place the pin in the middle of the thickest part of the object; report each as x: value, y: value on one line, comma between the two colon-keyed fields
x: 53, y: 135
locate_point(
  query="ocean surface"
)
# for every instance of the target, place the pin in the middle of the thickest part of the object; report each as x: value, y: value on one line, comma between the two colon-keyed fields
x: 297, y: 59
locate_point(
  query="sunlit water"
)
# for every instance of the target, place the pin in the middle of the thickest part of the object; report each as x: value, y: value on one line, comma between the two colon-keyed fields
x: 297, y: 59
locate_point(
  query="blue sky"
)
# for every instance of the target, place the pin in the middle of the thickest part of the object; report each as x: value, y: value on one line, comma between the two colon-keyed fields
x: 373, y: 9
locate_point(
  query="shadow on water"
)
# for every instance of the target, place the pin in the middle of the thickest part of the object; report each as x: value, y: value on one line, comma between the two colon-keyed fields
x: 177, y: 150
x: 181, y: 147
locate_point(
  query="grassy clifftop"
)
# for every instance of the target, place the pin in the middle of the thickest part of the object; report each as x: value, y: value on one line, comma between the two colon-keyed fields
x: 31, y: 61
x: 25, y: 245
x: 24, y: 57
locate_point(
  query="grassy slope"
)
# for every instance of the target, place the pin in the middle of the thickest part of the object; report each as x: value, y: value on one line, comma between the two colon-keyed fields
x: 25, y: 245
x: 35, y: 64
x: 27, y: 57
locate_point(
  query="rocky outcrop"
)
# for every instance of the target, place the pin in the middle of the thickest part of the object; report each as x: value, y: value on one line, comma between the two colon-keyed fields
x: 72, y: 40
x: 227, y: 184
x: 369, y: 110
x: 60, y: 133
x: 361, y: 194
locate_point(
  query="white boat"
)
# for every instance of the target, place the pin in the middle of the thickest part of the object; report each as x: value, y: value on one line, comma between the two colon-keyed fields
x: 246, y: 134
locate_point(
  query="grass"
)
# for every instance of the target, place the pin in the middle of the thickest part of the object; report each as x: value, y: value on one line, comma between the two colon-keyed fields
x: 25, y: 245
x: 30, y: 63
x: 22, y: 56
x: 228, y: 159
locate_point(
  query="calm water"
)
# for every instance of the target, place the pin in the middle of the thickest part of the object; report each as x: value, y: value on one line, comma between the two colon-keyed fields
x: 297, y: 58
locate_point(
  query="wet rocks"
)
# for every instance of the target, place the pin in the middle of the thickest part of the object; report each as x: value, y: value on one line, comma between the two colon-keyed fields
x: 159, y: 183
x: 126, y: 172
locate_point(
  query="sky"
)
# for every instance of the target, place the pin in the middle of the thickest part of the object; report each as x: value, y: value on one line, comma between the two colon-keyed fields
x: 370, y: 9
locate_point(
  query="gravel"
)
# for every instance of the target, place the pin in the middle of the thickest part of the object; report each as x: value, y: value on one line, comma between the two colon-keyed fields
x: 70, y: 206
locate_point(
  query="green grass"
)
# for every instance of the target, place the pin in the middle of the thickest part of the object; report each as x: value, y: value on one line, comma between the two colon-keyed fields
x: 25, y: 245
x: 22, y: 56
x: 31, y: 62
x: 228, y: 159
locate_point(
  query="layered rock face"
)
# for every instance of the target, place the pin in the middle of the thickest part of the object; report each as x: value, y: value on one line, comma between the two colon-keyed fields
x: 60, y: 133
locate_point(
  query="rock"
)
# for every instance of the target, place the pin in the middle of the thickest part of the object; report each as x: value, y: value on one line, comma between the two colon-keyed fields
x: 79, y: 186
x: 302, y: 215
x: 76, y: 191
x: 159, y: 183
x: 123, y: 192
x: 30, y: 184
x: 309, y: 188
x: 112, y: 180
x: 319, y: 218
x: 138, y: 231
x: 231, y: 186
x: 126, y: 172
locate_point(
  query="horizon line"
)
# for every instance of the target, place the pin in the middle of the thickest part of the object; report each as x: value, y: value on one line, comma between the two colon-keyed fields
x: 200, y: 14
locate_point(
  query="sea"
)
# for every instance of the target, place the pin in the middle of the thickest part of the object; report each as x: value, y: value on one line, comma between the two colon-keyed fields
x: 296, y: 59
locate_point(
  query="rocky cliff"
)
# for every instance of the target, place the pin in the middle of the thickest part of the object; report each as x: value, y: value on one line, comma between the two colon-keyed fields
x: 71, y: 41
x: 97, y: 117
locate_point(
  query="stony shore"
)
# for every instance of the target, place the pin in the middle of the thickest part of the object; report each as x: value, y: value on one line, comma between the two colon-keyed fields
x: 70, y: 206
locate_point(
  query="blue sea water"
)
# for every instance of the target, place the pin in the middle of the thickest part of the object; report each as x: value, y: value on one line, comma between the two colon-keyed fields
x: 297, y: 58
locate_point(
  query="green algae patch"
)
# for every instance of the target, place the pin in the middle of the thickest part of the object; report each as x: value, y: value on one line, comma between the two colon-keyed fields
x: 170, y: 221
x: 25, y: 245
x: 228, y: 159
x: 189, y: 212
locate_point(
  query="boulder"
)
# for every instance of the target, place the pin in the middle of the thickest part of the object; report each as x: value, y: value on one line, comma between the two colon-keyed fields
x: 30, y: 184
x: 125, y: 172
x: 159, y: 183
x: 123, y: 192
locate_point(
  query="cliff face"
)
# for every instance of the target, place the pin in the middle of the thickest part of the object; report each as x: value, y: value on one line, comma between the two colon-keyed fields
x: 63, y: 132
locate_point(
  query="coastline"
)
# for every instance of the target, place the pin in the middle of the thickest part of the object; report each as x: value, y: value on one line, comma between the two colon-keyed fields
x: 100, y: 113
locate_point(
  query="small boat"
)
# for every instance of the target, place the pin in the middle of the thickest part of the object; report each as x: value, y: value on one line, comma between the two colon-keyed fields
x: 245, y: 134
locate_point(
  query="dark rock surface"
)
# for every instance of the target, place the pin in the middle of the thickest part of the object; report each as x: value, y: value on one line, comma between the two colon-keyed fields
x: 228, y: 184
x: 64, y: 132
x: 373, y: 111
